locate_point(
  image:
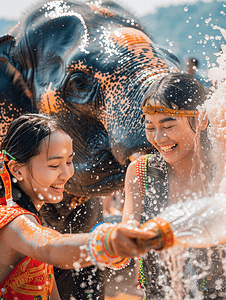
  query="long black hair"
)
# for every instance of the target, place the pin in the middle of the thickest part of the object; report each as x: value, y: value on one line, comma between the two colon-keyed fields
x: 23, y: 141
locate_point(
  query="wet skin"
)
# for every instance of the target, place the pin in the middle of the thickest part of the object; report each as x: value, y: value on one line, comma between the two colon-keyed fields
x: 44, y: 177
x: 180, y: 147
x: 174, y: 138
x: 171, y: 136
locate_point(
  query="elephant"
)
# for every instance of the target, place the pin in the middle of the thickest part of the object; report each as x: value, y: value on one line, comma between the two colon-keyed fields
x: 90, y: 63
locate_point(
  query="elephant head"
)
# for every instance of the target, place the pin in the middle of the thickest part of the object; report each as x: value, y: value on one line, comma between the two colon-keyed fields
x: 90, y: 63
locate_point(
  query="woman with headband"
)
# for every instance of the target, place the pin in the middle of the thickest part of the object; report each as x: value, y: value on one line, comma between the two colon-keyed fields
x: 178, y: 169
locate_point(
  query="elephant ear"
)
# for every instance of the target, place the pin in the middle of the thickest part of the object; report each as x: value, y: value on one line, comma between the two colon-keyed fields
x: 15, y: 97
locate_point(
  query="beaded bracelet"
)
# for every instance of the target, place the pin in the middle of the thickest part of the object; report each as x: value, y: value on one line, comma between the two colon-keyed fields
x: 98, y: 246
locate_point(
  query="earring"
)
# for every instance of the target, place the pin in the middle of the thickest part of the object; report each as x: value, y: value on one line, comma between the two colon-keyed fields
x: 21, y: 178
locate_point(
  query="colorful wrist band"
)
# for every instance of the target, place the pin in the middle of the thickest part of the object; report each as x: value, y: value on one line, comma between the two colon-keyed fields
x: 105, y: 244
x: 98, y: 246
x: 168, y: 235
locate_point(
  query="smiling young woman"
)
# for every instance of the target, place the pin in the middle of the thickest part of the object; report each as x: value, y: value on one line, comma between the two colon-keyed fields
x: 35, y: 163
x: 172, y: 137
x: 44, y: 177
x: 180, y: 168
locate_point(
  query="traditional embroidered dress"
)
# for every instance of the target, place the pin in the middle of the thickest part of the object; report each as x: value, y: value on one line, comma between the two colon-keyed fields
x: 30, y: 279
x: 152, y: 176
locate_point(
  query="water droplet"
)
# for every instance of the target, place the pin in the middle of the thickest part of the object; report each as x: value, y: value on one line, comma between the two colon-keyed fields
x: 40, y: 196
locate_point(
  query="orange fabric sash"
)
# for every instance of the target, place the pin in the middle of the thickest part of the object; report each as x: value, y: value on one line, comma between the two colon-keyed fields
x: 30, y: 279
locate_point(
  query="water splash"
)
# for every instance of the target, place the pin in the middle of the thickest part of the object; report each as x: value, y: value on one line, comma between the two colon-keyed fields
x: 196, y: 224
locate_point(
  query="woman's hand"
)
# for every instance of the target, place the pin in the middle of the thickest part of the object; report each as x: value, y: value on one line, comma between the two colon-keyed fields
x: 128, y: 240
x: 157, y: 242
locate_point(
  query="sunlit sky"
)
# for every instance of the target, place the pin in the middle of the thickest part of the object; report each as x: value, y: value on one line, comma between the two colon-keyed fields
x: 13, y: 9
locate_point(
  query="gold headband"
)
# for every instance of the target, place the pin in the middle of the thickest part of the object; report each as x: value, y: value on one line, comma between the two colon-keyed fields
x: 149, y: 109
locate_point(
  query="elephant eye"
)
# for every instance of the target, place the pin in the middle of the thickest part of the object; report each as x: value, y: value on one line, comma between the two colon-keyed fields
x: 80, y: 83
x: 77, y: 87
x: 77, y: 81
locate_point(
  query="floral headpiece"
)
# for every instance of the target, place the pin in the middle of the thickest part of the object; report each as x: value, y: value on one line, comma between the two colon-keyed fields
x: 149, y: 109
x: 4, y: 174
